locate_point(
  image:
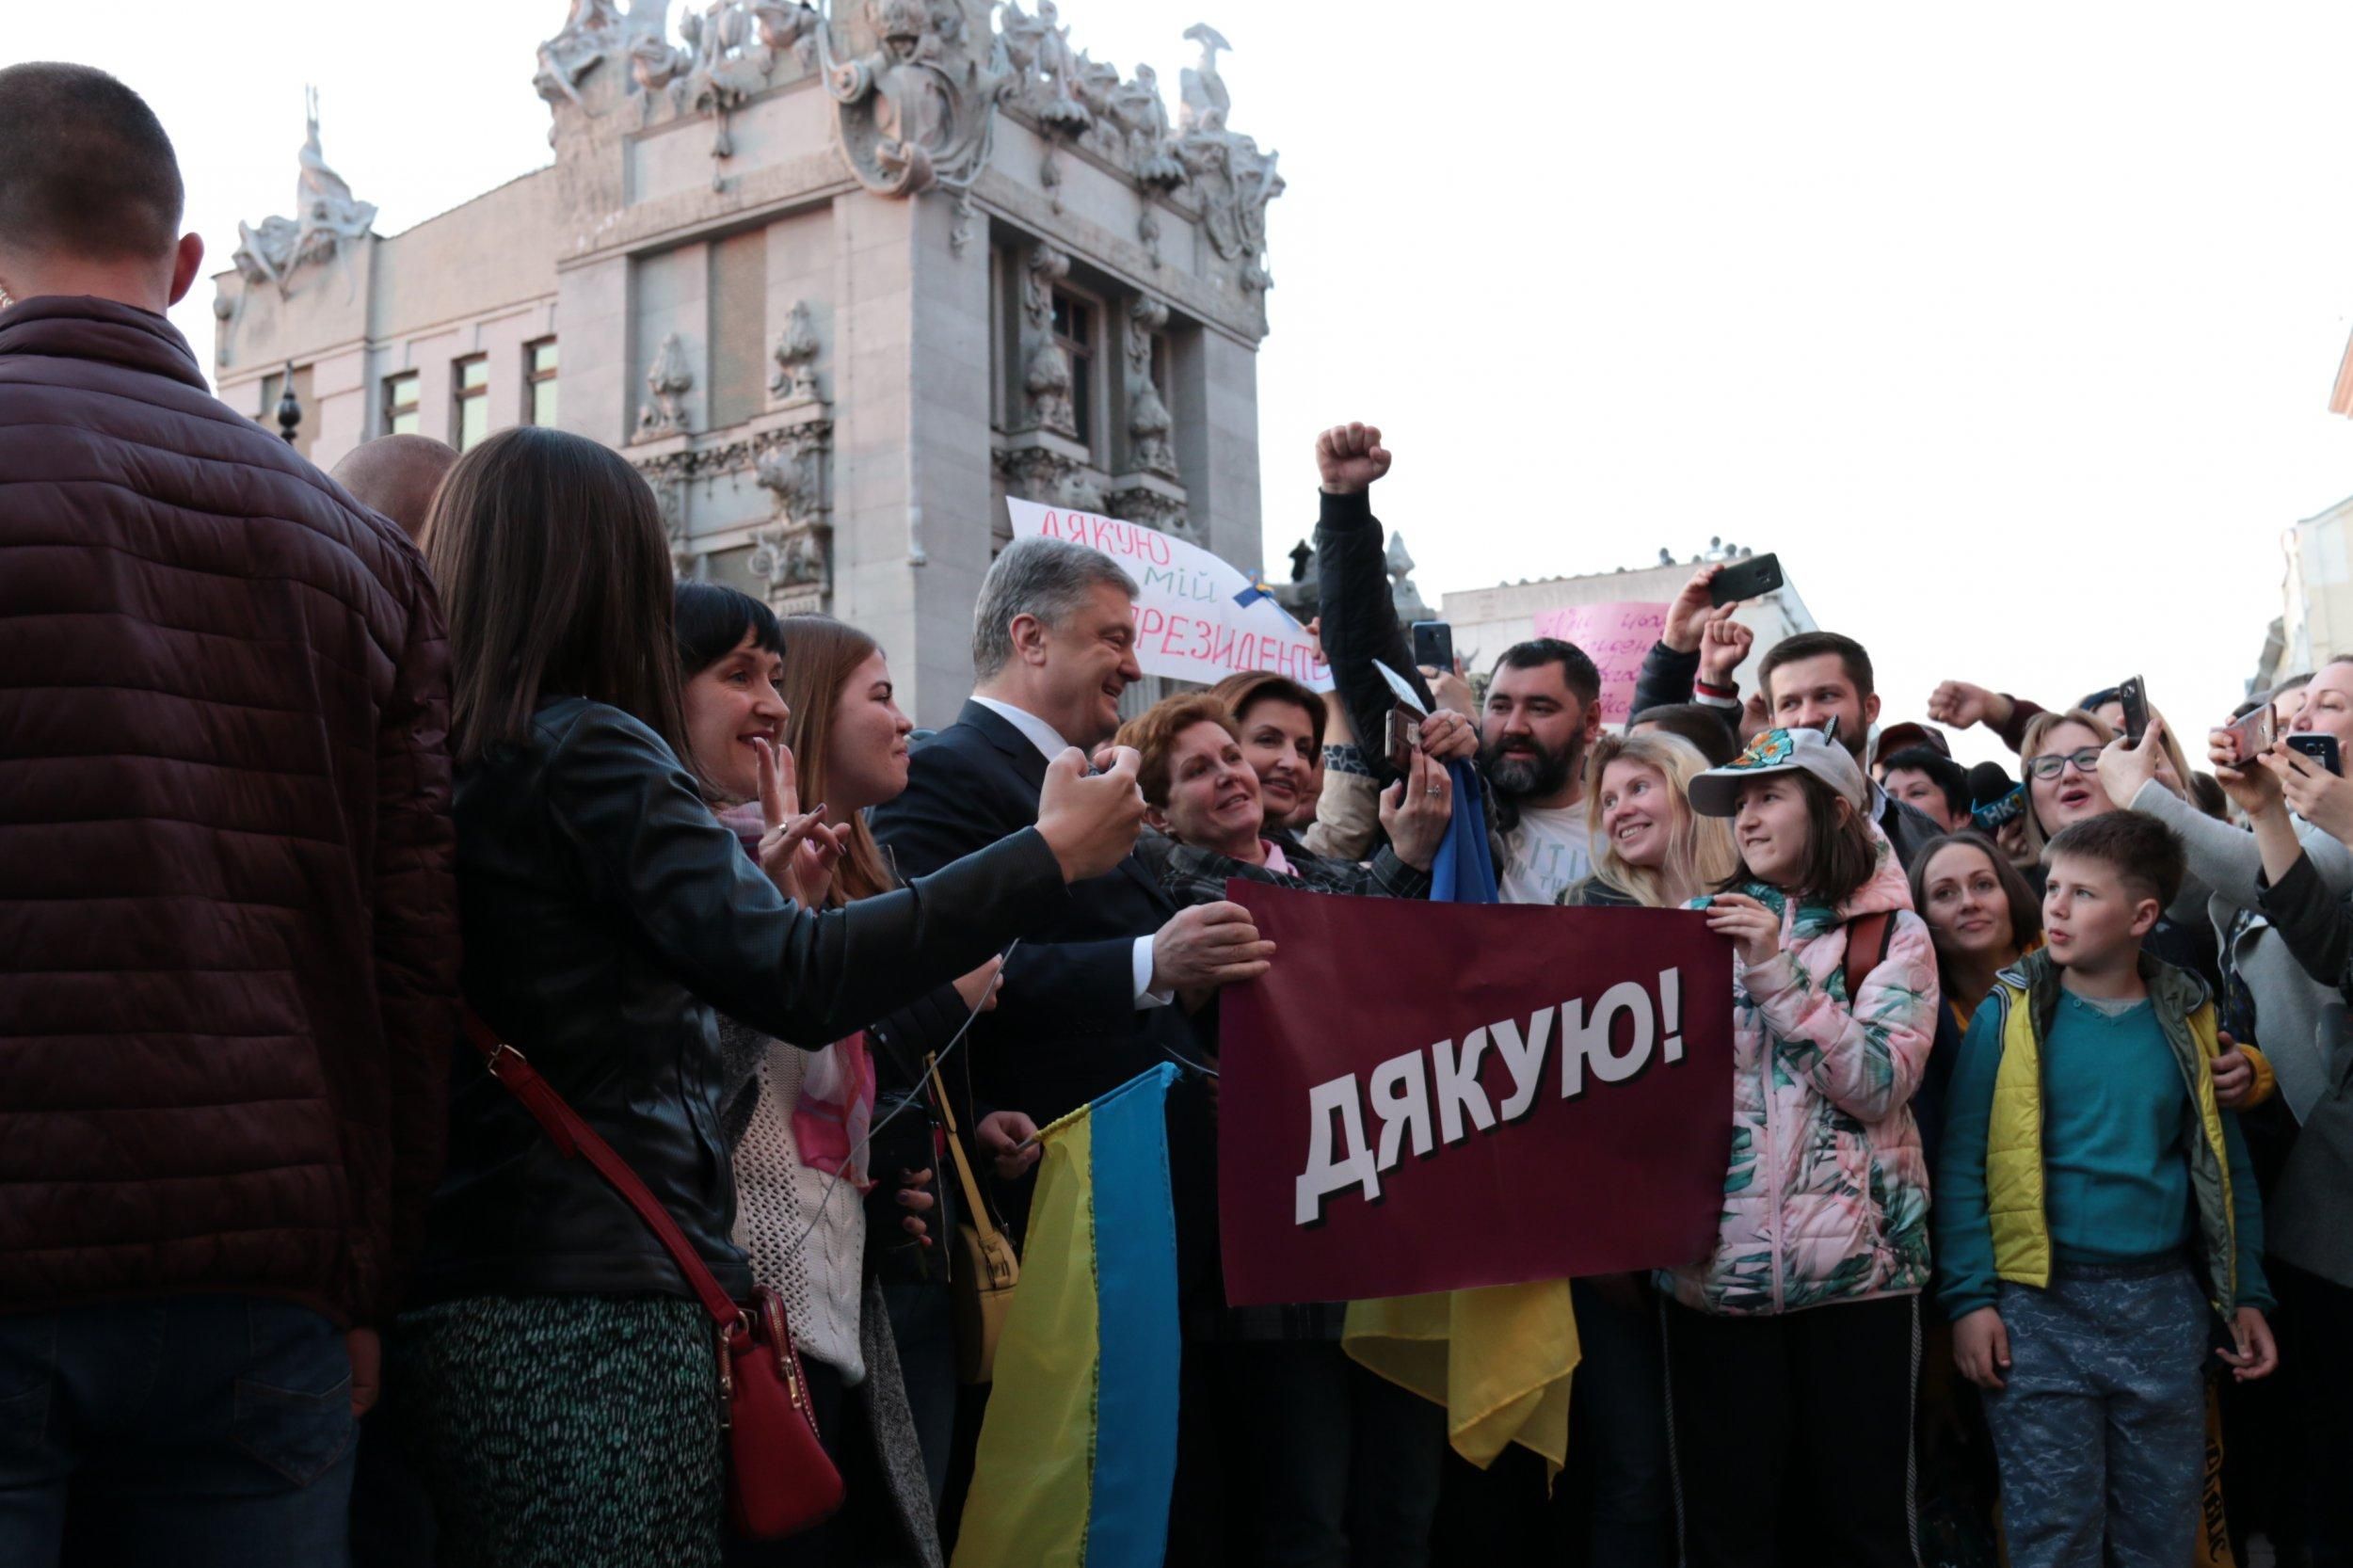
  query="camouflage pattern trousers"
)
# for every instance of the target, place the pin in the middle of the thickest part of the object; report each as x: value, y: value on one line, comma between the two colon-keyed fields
x: 2102, y: 1430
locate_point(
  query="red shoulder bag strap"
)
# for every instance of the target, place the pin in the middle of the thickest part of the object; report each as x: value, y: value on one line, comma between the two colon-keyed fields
x: 576, y: 1139
x: 1867, y: 941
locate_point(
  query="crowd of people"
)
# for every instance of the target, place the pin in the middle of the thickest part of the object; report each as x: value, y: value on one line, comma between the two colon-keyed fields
x: 2039, y: 1152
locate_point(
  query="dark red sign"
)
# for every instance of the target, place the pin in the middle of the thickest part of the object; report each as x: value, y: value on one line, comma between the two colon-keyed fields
x: 1433, y: 1096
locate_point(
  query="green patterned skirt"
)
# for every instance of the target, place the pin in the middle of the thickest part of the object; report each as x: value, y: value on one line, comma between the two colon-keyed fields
x: 567, y: 1431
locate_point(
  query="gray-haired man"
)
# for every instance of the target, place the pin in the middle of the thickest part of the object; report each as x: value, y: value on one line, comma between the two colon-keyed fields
x: 1085, y: 1008
x: 1086, y: 1005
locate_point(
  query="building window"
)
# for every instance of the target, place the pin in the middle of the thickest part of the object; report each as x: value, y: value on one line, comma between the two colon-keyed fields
x: 739, y: 328
x: 400, y: 405
x: 539, y: 375
x: 471, y: 381
x: 1074, y: 330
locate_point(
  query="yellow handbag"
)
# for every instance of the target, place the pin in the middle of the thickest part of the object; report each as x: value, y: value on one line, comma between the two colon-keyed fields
x: 984, y: 1268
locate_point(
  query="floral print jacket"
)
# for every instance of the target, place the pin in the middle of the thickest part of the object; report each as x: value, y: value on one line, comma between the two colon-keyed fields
x: 1826, y: 1197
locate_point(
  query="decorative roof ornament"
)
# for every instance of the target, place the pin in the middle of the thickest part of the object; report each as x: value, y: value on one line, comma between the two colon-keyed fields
x: 1234, y: 179
x: 918, y: 111
x: 327, y: 218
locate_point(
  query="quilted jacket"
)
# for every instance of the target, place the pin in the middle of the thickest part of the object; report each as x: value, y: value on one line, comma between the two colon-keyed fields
x: 228, y: 925
x: 1826, y: 1196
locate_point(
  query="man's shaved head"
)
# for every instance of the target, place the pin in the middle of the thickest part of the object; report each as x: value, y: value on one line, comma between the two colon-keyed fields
x: 85, y: 169
x: 398, y: 476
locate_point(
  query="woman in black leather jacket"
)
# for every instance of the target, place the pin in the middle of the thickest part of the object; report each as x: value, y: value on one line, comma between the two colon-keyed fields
x: 559, y: 1388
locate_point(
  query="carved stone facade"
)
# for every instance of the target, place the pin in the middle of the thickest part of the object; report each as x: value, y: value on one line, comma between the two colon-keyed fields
x: 326, y: 224
x: 835, y: 287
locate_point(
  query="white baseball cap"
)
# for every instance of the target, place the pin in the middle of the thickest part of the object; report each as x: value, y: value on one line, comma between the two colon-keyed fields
x: 1716, y: 792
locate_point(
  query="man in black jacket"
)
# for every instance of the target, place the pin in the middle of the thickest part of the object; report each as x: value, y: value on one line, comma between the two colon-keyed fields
x: 1086, y: 1005
x: 1090, y: 1001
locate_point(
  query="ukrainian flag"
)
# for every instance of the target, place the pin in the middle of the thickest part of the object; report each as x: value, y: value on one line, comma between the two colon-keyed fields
x: 1079, y: 1450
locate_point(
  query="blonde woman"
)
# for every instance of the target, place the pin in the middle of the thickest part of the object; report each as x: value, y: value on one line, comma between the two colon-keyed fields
x: 1651, y: 850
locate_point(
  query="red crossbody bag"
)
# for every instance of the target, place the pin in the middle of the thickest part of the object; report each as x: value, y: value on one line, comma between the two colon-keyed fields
x: 780, y: 1480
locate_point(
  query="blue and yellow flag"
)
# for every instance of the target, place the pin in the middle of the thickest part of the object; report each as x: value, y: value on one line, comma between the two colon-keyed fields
x: 1079, y: 1452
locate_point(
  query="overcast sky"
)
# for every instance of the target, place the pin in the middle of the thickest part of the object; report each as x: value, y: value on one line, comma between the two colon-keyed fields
x: 2010, y: 328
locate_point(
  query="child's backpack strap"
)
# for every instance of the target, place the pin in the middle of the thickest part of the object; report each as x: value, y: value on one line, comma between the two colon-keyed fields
x: 1867, y: 941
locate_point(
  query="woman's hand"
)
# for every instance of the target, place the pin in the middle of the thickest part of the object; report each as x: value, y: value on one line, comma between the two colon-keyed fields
x: 916, y: 1198
x: 2010, y: 838
x: 2312, y: 791
x: 1453, y: 696
x: 2257, y: 1354
x: 1416, y: 810
x: 1755, y: 930
x: 798, y: 851
x: 1688, y: 611
x: 1009, y: 1139
x: 979, y: 988
x: 1981, y: 1347
x: 1449, y: 735
x: 2246, y: 780
x: 2126, y: 767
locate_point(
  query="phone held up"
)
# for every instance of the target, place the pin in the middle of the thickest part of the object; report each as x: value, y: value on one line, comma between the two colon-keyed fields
x: 2320, y: 748
x: 1403, y: 738
x: 1750, y: 579
x: 2134, y: 699
x: 2252, y: 735
x: 1434, y: 646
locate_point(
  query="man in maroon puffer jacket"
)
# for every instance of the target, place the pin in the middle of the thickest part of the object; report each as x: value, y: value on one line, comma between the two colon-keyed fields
x: 228, y: 931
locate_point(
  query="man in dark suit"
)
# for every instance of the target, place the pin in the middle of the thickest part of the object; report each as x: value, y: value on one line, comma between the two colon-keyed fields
x: 1090, y: 1003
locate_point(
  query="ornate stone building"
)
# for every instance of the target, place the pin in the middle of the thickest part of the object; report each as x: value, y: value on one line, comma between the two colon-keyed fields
x: 835, y: 288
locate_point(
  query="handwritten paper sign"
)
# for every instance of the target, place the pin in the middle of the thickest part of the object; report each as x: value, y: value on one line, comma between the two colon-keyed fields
x: 1199, y: 617
x: 1615, y: 636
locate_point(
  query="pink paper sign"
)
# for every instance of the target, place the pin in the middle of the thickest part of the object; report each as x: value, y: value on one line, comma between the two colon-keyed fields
x: 1616, y: 637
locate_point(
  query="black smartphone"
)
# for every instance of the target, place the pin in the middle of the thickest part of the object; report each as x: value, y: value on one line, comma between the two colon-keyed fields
x: 1750, y: 579
x: 1434, y: 646
x: 2135, y: 702
x: 2321, y: 749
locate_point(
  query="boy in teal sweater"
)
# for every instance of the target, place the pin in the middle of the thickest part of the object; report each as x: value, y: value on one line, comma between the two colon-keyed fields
x: 2093, y: 1207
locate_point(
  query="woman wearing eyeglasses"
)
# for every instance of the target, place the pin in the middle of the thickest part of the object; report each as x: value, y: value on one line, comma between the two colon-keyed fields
x: 2060, y: 757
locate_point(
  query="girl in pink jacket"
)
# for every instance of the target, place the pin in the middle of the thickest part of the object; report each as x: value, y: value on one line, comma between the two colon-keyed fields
x: 1793, y: 1346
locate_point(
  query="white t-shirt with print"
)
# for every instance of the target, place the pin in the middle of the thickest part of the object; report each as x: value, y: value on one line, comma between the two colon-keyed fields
x: 1549, y: 851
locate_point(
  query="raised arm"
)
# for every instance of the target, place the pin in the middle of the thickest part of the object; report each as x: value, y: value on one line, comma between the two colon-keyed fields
x: 1359, y: 617
x: 650, y: 849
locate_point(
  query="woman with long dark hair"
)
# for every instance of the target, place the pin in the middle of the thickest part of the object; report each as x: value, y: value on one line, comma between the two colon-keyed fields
x: 559, y: 1383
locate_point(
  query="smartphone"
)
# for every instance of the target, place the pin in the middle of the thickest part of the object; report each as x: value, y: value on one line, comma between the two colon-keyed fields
x: 1402, y: 738
x: 1750, y: 579
x: 2251, y: 735
x: 2136, y: 700
x: 1995, y: 815
x: 2321, y: 749
x: 1434, y: 646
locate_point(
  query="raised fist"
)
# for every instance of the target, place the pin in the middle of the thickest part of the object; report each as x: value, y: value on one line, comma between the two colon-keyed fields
x: 1348, y: 458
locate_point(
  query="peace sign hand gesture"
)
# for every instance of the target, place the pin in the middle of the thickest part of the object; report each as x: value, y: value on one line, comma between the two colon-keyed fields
x: 797, y: 850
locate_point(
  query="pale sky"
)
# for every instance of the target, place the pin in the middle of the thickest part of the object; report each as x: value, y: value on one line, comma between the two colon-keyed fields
x: 2010, y: 328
